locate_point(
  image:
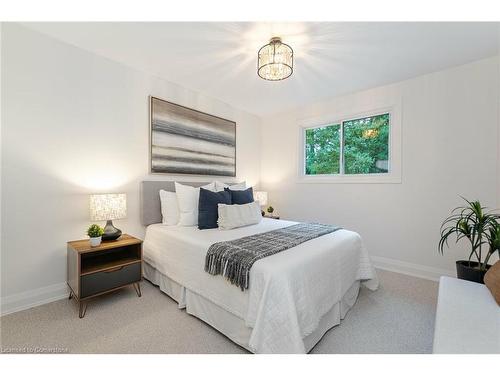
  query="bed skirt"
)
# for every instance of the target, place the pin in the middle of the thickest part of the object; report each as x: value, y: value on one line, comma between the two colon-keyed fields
x: 233, y: 326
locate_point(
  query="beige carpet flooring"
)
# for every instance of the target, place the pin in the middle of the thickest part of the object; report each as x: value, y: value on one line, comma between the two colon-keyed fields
x: 397, y: 318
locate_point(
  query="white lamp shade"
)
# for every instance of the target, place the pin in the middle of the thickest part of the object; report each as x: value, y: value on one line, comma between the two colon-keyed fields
x: 108, y: 206
x: 261, y: 197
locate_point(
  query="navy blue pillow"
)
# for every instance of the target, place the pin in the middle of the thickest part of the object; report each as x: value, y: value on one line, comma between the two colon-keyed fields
x: 208, y: 212
x: 241, y: 196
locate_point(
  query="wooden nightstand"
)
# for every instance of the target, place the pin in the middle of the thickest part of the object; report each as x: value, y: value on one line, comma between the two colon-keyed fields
x: 276, y: 217
x: 112, y: 265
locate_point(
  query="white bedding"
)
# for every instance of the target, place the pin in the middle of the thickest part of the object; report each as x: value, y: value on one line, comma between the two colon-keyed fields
x: 289, y: 291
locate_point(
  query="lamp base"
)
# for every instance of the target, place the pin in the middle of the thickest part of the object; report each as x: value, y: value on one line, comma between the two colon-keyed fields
x: 110, y: 232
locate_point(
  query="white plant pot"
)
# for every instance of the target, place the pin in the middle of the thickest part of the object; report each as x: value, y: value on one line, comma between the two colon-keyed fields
x: 95, y: 241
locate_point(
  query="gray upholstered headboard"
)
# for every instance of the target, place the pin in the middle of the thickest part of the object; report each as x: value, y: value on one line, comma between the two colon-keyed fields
x: 150, y: 198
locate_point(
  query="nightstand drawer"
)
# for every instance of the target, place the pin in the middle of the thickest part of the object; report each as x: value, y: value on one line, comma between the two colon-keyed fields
x: 105, y: 280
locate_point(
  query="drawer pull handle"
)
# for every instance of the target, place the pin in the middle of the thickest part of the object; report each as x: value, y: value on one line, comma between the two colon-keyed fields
x: 114, y: 269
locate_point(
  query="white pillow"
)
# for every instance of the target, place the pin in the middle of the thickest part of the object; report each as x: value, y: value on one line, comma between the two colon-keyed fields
x: 169, y: 207
x: 238, y: 215
x: 219, y: 186
x: 187, y: 198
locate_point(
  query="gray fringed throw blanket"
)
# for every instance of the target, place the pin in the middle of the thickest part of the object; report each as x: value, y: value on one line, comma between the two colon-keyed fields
x: 233, y: 259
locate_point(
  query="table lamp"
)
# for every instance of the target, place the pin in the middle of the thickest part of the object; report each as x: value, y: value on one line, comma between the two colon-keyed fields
x: 261, y: 197
x: 108, y: 207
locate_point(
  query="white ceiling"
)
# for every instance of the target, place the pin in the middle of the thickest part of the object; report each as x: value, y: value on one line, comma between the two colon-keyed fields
x: 219, y: 59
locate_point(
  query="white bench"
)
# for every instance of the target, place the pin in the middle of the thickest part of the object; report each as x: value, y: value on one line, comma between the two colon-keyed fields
x: 467, y: 318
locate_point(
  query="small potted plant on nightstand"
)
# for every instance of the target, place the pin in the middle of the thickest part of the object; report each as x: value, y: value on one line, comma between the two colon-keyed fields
x: 95, y: 233
x: 270, y: 210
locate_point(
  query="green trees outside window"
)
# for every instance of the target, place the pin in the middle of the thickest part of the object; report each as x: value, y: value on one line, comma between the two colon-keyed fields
x: 323, y: 150
x: 364, y: 148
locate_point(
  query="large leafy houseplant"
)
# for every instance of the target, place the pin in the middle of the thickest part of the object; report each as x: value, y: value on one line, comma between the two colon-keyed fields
x: 481, y: 229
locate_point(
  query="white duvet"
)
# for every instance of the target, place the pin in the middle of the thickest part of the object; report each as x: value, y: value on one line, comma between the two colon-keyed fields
x: 289, y: 292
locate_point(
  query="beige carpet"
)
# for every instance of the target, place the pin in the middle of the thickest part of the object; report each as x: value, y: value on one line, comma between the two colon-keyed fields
x: 397, y: 318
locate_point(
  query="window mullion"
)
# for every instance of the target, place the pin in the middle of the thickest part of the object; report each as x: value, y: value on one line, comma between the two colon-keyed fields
x: 341, y: 156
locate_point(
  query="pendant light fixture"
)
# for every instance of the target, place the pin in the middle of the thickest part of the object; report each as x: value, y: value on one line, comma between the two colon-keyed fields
x: 275, y: 60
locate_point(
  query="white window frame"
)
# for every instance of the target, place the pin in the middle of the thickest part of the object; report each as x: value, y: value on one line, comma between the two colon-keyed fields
x: 394, y: 162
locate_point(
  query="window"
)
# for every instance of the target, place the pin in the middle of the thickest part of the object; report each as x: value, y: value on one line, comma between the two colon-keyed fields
x: 351, y: 147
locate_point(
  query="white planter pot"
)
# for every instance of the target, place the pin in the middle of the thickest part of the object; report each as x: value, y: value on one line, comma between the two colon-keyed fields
x: 95, y: 241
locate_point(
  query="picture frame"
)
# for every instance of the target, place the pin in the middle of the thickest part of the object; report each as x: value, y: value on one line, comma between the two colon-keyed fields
x: 186, y: 141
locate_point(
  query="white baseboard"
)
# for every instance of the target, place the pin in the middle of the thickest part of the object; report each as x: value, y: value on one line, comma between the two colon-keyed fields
x: 32, y: 298
x: 411, y: 269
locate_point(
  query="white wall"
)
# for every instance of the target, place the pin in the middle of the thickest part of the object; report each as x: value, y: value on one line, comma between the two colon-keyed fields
x: 498, y: 130
x: 449, y: 148
x: 1, y: 121
x: 74, y: 123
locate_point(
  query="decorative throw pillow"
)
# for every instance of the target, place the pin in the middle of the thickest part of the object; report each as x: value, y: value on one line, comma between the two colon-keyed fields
x: 220, y: 186
x: 188, y: 198
x: 169, y: 207
x: 241, y: 196
x: 238, y: 215
x: 492, y: 281
x: 208, y: 209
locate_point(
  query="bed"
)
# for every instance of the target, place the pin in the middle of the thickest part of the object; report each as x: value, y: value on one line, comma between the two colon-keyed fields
x: 294, y: 296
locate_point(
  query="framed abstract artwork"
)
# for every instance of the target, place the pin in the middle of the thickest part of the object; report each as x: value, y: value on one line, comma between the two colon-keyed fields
x: 187, y: 141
